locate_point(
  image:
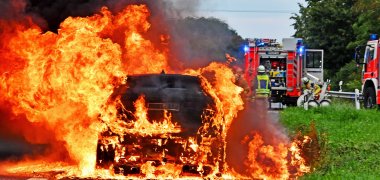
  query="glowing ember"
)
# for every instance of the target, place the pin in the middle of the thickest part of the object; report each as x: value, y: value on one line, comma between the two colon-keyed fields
x: 64, y: 81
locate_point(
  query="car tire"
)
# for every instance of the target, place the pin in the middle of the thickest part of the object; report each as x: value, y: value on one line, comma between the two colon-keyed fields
x: 369, y: 98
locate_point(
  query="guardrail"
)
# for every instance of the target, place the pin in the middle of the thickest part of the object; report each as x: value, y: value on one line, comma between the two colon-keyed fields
x: 357, y: 96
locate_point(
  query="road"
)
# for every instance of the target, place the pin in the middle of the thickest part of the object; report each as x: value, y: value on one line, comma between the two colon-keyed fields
x: 274, y: 113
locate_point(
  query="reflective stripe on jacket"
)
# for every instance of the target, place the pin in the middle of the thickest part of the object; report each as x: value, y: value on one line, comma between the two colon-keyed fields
x: 262, y: 84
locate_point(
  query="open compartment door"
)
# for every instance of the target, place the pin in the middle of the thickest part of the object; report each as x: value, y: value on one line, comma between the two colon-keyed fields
x: 313, y: 64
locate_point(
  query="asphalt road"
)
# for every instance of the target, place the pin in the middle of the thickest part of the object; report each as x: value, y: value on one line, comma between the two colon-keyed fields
x: 274, y: 112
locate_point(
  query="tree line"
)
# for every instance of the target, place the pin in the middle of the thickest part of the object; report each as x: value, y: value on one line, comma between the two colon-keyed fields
x: 338, y: 26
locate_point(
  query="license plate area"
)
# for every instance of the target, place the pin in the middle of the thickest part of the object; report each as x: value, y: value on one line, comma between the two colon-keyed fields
x: 163, y: 106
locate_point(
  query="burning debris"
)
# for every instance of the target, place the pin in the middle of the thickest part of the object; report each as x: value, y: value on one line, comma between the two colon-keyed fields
x: 75, y: 89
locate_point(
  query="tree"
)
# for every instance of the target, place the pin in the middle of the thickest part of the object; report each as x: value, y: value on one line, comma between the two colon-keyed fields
x: 350, y: 74
x: 327, y: 24
x: 368, y: 21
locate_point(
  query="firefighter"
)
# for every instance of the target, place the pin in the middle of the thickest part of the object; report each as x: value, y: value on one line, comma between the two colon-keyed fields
x: 262, y: 83
x: 308, y: 85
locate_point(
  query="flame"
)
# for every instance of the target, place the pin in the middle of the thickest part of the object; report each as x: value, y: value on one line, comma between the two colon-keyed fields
x: 64, y: 80
x: 66, y: 77
x: 272, y: 162
x: 144, y: 127
x: 296, y: 159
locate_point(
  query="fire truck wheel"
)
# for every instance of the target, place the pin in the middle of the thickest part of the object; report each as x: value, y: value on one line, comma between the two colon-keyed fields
x: 369, y: 98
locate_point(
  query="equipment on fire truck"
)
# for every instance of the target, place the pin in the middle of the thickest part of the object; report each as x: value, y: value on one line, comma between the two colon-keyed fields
x: 286, y: 64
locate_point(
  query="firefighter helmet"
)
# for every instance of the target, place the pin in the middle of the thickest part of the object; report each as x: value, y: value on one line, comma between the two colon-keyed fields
x: 305, y: 80
x: 261, y: 69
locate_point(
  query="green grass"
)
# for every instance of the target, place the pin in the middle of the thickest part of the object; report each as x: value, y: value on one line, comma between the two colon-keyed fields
x: 350, y: 140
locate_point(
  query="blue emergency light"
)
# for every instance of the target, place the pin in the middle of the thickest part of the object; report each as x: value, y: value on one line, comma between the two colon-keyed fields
x: 246, y: 48
x: 301, y: 49
x: 373, y: 37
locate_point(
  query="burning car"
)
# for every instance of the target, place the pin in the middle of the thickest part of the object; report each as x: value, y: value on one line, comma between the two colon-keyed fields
x: 168, y: 118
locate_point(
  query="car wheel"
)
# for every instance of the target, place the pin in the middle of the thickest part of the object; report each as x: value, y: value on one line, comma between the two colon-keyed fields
x: 369, y: 98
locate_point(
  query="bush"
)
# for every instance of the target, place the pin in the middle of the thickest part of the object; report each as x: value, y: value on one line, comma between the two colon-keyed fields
x: 350, y: 74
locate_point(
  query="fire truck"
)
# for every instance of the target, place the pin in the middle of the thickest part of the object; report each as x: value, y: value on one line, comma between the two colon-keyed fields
x: 370, y: 73
x: 286, y: 64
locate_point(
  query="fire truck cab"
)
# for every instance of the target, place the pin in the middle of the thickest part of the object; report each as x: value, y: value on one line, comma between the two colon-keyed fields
x: 370, y: 73
x: 285, y: 64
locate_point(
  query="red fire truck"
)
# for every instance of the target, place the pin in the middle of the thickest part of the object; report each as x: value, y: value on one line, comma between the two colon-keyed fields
x: 370, y: 75
x: 286, y: 64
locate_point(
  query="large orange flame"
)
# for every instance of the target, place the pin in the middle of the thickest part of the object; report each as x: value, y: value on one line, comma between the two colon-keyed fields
x: 67, y: 77
x: 64, y: 80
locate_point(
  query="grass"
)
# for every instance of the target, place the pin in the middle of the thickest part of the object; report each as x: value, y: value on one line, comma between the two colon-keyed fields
x: 350, y: 140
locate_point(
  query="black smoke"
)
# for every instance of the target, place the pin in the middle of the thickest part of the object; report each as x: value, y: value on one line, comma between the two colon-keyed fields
x: 55, y: 11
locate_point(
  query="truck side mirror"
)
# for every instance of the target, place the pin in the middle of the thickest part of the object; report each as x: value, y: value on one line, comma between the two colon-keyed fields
x: 357, y: 54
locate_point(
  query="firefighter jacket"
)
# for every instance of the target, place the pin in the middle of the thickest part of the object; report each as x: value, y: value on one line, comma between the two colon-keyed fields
x: 262, y: 87
x: 316, y: 87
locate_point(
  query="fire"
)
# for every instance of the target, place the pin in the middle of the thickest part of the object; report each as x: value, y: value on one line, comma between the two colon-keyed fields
x: 272, y: 162
x: 67, y: 77
x: 144, y: 127
x: 64, y: 81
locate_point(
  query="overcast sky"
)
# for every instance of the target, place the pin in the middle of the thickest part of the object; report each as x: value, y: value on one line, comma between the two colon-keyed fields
x: 254, y: 18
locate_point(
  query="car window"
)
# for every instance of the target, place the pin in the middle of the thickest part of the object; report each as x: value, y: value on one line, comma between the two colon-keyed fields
x: 142, y: 82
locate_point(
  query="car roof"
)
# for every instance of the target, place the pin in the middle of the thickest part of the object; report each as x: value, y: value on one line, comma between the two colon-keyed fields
x: 161, y: 75
x: 175, y: 77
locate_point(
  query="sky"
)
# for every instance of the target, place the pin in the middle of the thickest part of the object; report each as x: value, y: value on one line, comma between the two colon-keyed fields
x: 254, y: 18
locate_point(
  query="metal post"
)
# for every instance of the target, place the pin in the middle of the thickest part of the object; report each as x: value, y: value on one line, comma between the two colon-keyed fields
x: 357, y: 103
x: 306, y: 105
